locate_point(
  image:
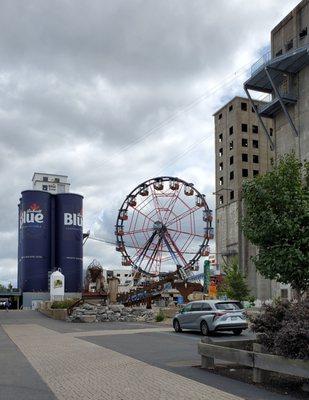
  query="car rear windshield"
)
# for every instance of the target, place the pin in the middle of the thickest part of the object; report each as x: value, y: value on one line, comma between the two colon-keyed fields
x: 227, y: 306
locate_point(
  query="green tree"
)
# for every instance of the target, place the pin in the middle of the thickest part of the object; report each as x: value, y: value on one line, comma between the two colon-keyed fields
x: 277, y: 221
x: 234, y: 285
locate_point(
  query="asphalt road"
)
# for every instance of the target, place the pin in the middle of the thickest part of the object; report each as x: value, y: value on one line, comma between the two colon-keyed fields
x: 166, y: 350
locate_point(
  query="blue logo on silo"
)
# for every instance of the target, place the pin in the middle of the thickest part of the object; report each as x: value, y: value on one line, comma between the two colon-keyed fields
x: 32, y: 215
x: 73, y: 219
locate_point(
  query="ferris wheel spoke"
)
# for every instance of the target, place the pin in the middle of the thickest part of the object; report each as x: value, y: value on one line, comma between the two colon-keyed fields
x: 156, y: 203
x: 145, y: 249
x: 173, y: 202
x: 170, y: 242
x: 144, y: 215
x: 153, y: 256
x: 138, y: 231
x: 185, y: 233
x: 186, y: 244
x: 183, y: 215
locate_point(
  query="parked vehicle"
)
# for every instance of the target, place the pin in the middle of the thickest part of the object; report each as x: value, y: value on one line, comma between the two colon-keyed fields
x: 211, y: 316
x: 3, y: 302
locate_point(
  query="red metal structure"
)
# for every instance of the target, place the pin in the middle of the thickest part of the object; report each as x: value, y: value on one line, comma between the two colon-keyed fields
x: 164, y: 224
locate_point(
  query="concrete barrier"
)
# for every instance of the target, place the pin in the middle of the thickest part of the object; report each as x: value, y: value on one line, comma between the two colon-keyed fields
x: 259, y: 361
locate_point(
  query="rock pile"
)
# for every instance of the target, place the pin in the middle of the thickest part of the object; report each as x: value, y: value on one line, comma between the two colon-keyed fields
x: 115, y: 312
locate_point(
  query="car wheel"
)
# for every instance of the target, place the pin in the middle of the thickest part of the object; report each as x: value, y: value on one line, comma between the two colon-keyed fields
x: 204, y: 328
x: 237, y: 332
x: 177, y: 327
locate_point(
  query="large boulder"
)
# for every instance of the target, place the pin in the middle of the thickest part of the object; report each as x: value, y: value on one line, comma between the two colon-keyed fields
x: 103, y: 317
x: 88, y: 318
x: 87, y: 306
x: 116, y: 307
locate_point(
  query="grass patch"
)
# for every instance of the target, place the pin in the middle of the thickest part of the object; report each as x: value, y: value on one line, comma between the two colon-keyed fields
x: 63, y: 303
x: 160, y: 316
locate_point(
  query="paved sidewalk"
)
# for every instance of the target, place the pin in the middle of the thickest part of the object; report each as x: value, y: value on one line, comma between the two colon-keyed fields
x: 76, y: 369
x: 18, y: 379
x: 118, y: 332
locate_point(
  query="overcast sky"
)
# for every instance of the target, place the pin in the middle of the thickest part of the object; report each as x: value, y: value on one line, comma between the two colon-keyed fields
x: 112, y: 93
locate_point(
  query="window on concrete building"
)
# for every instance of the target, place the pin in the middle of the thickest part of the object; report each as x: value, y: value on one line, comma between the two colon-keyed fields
x: 57, y: 180
x: 303, y: 33
x: 221, y: 181
x: 289, y: 45
x: 231, y: 145
x: 245, y: 173
x: 45, y: 179
x: 243, y: 106
x: 231, y: 160
x: 255, y: 144
x: 244, y: 127
x: 221, y: 166
x: 220, y: 116
x: 220, y: 152
x: 255, y: 172
x: 255, y: 159
x: 231, y: 194
x: 220, y: 199
x: 44, y: 187
x: 231, y: 107
x: 279, y: 53
x: 231, y: 175
x: 271, y: 161
x: 231, y: 130
x: 244, y: 142
x: 271, y: 131
x: 220, y: 137
x: 255, y: 129
x: 244, y: 157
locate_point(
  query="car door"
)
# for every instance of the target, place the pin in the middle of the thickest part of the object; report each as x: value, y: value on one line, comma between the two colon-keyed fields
x: 195, y: 313
x: 207, y: 314
x: 185, y: 315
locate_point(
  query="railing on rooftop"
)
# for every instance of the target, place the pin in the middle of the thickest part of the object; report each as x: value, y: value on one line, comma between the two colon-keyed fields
x: 260, y: 62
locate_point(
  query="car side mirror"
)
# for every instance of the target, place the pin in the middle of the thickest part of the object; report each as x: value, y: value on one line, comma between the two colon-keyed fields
x: 182, y: 311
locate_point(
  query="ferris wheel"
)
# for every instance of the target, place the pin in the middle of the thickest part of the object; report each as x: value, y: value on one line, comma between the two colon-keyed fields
x: 164, y: 224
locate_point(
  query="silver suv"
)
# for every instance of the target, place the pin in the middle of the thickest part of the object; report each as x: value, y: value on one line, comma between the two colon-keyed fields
x: 211, y: 316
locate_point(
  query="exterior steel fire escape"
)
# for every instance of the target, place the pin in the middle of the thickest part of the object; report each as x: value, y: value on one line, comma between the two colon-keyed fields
x: 275, y: 77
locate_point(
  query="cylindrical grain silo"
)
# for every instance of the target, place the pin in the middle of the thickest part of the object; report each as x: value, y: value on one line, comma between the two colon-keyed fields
x: 69, y: 239
x: 35, y: 250
x: 19, y: 252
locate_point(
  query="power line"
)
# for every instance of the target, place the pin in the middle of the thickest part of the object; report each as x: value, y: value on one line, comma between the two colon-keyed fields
x: 228, y: 80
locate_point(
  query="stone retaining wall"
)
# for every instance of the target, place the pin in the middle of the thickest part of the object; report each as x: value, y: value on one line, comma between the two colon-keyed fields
x: 99, y: 313
x: 55, y: 313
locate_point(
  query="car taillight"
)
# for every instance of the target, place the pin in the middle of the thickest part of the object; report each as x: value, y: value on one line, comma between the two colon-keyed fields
x: 218, y: 314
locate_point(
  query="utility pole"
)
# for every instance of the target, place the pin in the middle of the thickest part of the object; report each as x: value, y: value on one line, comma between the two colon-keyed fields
x: 206, y: 276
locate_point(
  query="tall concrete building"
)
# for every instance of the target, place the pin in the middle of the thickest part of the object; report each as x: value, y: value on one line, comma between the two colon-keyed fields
x: 242, y: 151
x: 283, y: 74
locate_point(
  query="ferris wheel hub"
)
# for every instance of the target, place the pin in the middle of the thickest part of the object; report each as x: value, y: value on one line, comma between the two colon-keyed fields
x: 159, y: 226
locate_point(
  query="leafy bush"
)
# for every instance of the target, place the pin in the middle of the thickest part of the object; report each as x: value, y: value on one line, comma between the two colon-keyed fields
x: 63, y: 303
x: 160, y: 316
x: 283, y: 328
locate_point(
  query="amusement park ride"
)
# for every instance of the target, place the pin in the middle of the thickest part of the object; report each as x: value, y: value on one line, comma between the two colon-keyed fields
x: 163, y: 228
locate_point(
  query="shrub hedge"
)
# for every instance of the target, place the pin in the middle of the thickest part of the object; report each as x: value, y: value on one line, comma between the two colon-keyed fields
x: 283, y: 328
